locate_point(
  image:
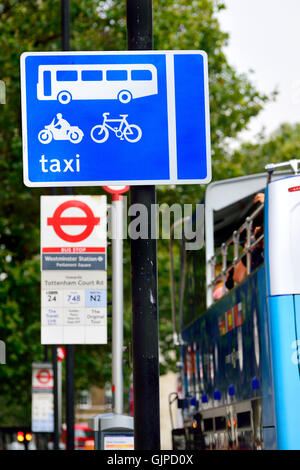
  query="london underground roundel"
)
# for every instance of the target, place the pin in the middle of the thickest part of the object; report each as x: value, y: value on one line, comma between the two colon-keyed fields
x: 73, y: 222
x: 88, y: 221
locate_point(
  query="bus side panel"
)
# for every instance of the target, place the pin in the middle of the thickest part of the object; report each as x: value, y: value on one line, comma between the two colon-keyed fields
x: 268, y: 412
x: 233, y: 337
x: 285, y: 371
x: 296, y: 345
x: 241, y: 351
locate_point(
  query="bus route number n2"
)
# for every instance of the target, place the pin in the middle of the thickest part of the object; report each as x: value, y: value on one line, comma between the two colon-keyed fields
x: 96, y: 298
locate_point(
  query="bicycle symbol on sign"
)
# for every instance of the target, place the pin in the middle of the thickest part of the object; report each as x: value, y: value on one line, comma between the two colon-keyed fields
x: 131, y: 132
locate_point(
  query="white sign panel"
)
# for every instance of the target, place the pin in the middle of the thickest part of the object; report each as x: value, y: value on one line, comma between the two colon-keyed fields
x: 42, y: 377
x: 42, y: 409
x: 42, y: 412
x: 73, y: 263
x: 118, y: 442
x: 73, y: 224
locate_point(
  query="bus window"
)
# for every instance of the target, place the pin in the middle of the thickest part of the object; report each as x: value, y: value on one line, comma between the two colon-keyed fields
x: 208, y: 424
x: 220, y: 423
x: 47, y: 83
x: 116, y: 75
x: 238, y: 256
x: 244, y: 419
x: 141, y: 75
x: 92, y: 75
x: 66, y: 75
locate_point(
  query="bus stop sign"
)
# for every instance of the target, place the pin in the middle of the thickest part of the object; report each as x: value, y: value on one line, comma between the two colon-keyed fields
x: 115, y: 118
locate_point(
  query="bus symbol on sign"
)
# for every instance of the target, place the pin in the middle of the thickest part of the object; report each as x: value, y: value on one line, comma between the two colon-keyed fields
x: 122, y: 82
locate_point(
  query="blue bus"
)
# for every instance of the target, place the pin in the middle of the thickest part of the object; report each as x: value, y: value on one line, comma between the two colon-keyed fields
x: 239, y: 334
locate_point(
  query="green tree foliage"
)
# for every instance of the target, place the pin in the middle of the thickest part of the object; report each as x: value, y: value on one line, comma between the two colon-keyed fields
x: 34, y: 25
x: 282, y: 145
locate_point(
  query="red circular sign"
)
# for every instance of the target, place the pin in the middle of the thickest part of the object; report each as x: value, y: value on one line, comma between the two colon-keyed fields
x: 44, y: 376
x: 116, y: 189
x: 61, y: 353
x: 89, y: 221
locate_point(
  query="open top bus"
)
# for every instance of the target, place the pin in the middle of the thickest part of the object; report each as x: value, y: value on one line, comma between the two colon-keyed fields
x: 240, y: 384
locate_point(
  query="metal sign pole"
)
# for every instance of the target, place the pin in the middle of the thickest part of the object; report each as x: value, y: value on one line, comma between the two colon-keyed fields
x: 144, y: 277
x: 117, y: 302
x: 117, y: 295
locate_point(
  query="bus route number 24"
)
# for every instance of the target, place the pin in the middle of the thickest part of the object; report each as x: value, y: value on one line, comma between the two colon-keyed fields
x: 52, y: 296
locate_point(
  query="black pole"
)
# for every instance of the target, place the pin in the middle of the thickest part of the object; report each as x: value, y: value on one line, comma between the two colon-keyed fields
x: 70, y: 408
x: 65, y: 25
x: 56, y: 433
x: 70, y: 349
x: 144, y: 277
x: 46, y: 353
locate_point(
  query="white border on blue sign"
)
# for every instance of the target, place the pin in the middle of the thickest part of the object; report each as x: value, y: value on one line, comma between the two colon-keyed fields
x: 173, y: 180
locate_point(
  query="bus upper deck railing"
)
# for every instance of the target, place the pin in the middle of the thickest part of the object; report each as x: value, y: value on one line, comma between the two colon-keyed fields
x: 238, y: 252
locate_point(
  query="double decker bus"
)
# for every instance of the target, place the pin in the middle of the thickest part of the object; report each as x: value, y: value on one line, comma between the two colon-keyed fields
x: 239, y: 343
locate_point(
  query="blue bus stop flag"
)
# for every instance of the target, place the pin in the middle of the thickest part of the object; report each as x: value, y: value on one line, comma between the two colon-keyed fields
x: 103, y: 118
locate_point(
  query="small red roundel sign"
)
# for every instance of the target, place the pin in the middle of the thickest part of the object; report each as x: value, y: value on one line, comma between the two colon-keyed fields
x: 88, y: 221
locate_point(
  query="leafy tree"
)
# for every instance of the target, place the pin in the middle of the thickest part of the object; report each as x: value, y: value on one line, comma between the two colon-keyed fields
x: 252, y: 157
x: 34, y: 25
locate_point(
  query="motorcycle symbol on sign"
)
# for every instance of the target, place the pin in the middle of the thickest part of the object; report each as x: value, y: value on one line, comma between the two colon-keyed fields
x: 62, y: 130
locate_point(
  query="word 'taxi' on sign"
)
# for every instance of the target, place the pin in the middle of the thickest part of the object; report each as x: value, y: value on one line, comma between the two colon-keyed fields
x: 73, y: 265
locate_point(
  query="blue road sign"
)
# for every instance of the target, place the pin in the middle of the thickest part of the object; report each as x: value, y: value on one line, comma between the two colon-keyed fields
x: 115, y: 118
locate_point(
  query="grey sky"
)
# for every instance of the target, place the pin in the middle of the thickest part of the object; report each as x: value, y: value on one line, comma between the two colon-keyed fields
x: 265, y: 37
